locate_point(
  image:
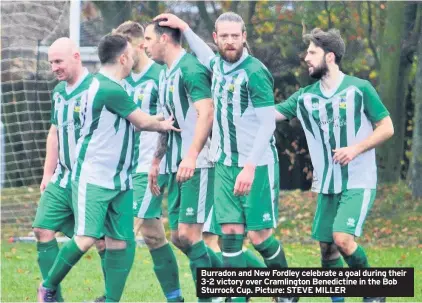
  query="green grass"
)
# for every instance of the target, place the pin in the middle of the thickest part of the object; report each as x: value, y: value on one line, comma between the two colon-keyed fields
x: 21, y: 277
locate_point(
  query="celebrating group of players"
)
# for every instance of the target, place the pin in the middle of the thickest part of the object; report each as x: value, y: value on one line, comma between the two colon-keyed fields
x: 202, y: 127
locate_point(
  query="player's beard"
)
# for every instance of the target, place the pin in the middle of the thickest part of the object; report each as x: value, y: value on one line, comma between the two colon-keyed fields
x: 320, y: 70
x: 230, y: 58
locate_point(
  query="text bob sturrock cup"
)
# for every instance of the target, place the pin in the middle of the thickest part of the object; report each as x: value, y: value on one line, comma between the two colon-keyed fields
x: 305, y: 282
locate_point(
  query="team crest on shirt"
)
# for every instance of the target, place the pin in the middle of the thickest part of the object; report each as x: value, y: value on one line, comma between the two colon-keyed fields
x: 77, y: 108
x: 342, y: 104
x: 231, y: 88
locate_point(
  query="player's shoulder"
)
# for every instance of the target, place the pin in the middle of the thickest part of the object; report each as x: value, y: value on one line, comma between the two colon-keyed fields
x: 357, y: 82
x: 106, y: 85
x: 189, y: 64
x: 60, y: 87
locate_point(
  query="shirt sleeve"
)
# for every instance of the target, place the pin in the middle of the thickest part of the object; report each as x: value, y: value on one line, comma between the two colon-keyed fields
x: 373, y: 106
x: 203, y: 52
x: 197, y: 83
x: 260, y: 88
x: 120, y: 103
x: 289, y: 107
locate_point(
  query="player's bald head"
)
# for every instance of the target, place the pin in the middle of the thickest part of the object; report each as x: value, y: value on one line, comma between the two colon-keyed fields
x: 64, y: 45
x: 65, y: 59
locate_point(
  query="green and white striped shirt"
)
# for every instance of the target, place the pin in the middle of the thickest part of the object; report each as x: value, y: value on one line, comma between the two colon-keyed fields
x: 331, y: 121
x: 238, y: 90
x: 186, y: 82
x: 65, y: 116
x: 105, y: 148
x: 143, y: 90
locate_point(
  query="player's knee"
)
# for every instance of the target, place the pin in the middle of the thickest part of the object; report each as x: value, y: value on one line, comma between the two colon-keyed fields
x: 43, y: 235
x: 100, y: 245
x: 343, y: 241
x: 185, y: 240
x: 154, y: 241
x: 84, y: 243
x: 175, y: 239
x: 259, y: 236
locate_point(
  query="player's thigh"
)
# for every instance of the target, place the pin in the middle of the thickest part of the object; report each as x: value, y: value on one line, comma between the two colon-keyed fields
x: 325, y: 213
x: 261, y: 205
x: 90, y: 204
x: 119, y: 218
x: 354, y: 207
x: 55, y: 211
x: 145, y: 204
x: 195, y: 194
x: 173, y: 201
x: 228, y: 207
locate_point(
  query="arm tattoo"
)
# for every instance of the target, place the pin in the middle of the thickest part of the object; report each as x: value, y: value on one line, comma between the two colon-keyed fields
x: 161, y: 145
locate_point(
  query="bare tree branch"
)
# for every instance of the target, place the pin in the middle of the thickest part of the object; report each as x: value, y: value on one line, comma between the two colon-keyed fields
x: 330, y: 23
x: 370, y: 41
x: 209, y: 24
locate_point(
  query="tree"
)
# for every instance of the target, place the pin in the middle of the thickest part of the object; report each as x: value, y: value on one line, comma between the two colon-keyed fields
x: 390, y: 154
x: 417, y: 131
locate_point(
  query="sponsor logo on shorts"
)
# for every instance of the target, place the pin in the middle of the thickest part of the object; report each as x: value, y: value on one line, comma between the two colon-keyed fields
x: 351, y: 222
x: 266, y: 217
x: 189, y: 211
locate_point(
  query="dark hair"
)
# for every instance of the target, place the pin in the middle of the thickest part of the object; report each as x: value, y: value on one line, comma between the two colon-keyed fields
x: 130, y: 30
x: 329, y: 41
x: 111, y: 47
x: 174, y: 33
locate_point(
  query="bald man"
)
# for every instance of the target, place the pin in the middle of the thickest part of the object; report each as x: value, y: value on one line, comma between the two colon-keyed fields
x: 55, y: 212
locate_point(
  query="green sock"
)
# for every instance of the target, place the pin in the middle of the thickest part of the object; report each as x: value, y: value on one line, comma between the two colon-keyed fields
x: 102, y: 256
x: 335, y: 263
x: 216, y: 260
x: 118, y: 263
x: 47, y: 253
x: 252, y: 260
x: 358, y: 259
x: 233, y: 255
x: 167, y: 272
x: 68, y: 256
x: 272, y: 252
x: 198, y: 257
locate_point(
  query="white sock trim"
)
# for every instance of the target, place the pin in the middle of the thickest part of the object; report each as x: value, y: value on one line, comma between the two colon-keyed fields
x: 276, y: 253
x: 235, y: 254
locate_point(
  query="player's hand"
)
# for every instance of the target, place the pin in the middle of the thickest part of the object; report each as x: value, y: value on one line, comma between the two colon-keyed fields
x: 186, y: 169
x: 44, y: 182
x: 167, y: 125
x: 345, y: 155
x: 159, y: 117
x: 244, y: 180
x: 153, y: 178
x: 172, y: 21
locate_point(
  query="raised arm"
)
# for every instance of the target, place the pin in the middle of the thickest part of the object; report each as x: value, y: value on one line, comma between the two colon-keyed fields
x: 198, y: 46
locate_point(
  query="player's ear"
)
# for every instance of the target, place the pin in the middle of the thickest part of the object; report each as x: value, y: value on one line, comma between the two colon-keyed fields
x: 244, y: 36
x: 77, y: 56
x: 214, y: 36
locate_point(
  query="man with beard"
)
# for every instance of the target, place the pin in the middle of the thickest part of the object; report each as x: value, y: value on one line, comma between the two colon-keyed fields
x: 337, y: 114
x: 243, y: 146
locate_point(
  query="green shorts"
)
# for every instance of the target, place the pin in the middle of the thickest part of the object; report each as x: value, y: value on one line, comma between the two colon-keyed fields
x: 189, y: 201
x: 344, y: 212
x: 55, y: 210
x: 211, y: 225
x: 145, y: 204
x: 259, y: 209
x: 101, y: 211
